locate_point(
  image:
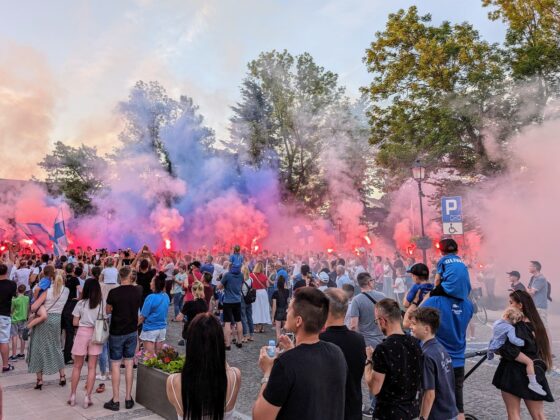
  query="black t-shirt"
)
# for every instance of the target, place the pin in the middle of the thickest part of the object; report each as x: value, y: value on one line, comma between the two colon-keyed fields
x: 191, y: 309
x: 399, y: 357
x: 144, y: 280
x: 518, y: 286
x: 8, y: 290
x: 72, y: 283
x: 125, y: 301
x: 308, y: 382
x: 353, y: 347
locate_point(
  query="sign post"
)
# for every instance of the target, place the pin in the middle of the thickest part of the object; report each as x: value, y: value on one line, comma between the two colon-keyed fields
x: 452, y: 215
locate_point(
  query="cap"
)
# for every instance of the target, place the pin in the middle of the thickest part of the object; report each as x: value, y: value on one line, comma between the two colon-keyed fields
x: 448, y: 245
x: 514, y: 274
x: 420, y: 270
x: 324, y: 277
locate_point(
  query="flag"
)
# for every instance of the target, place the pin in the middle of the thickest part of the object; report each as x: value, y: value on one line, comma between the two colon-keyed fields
x: 38, y: 234
x: 60, y: 241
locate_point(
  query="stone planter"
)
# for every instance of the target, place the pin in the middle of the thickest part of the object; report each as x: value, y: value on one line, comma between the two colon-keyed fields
x: 150, y: 391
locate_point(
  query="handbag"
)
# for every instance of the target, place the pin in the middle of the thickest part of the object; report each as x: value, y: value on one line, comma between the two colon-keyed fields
x: 250, y: 296
x: 101, y: 329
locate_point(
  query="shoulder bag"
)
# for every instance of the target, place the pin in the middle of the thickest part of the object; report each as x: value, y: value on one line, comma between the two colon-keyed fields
x: 101, y: 329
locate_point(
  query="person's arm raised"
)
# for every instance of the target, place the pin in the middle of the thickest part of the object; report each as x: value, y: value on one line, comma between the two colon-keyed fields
x: 262, y: 409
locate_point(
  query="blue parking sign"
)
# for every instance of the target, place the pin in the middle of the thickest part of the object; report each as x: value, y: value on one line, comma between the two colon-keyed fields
x: 451, y: 210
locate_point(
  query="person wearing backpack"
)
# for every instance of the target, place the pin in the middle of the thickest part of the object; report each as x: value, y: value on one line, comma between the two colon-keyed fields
x: 362, y: 320
x: 248, y: 297
x: 231, y: 285
x: 539, y: 289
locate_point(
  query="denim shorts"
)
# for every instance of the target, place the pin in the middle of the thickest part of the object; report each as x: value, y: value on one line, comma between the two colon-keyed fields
x: 17, y: 329
x: 5, y: 327
x: 155, y: 336
x: 122, y: 346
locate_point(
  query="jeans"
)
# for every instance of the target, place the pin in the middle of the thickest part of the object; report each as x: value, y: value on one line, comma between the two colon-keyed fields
x: 247, y: 318
x: 177, y: 303
x: 122, y: 346
x: 372, y: 401
x: 104, y: 359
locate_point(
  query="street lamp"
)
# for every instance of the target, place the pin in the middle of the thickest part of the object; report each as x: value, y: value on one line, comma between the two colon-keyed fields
x: 419, y: 174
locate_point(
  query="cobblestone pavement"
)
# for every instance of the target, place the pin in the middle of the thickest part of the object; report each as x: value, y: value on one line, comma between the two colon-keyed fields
x: 22, y: 402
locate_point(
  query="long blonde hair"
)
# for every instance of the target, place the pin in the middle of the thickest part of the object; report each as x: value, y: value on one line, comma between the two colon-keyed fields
x: 58, y: 284
x: 198, y: 290
x: 259, y: 268
x: 245, y: 271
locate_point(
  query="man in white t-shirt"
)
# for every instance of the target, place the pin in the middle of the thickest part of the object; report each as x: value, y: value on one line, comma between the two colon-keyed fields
x: 22, y: 274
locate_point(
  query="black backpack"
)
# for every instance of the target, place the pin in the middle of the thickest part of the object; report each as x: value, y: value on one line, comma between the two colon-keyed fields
x: 251, y: 294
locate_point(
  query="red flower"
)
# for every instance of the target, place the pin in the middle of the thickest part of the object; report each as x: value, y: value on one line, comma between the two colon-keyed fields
x: 167, y: 360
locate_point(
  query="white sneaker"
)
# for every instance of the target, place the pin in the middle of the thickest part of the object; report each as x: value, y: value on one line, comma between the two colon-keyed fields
x: 101, y: 377
x: 537, y: 388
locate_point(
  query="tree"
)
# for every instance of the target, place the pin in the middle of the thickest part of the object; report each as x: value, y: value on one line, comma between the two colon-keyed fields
x: 280, y: 118
x: 533, y: 46
x: 74, y: 173
x: 148, y: 112
x: 435, y: 91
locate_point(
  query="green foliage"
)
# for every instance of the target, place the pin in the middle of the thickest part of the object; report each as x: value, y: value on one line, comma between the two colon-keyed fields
x: 533, y: 45
x: 434, y: 93
x: 290, y: 110
x: 75, y: 174
x: 167, y: 359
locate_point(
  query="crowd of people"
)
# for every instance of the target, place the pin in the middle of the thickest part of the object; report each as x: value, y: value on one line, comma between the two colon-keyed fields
x: 398, y: 325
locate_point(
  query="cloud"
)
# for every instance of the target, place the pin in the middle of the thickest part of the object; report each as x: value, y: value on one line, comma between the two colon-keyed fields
x: 27, y: 100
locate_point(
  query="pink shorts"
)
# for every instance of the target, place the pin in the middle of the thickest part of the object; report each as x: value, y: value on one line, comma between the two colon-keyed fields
x: 83, y: 345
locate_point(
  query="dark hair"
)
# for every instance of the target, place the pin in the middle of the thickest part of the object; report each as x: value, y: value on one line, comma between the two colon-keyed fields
x: 45, y: 258
x: 207, y: 277
x: 390, y: 309
x: 427, y: 316
x: 537, y: 265
x: 281, y: 283
x: 21, y: 288
x: 69, y: 268
x: 204, y: 378
x: 63, y: 259
x: 78, y: 271
x: 49, y: 272
x: 541, y: 336
x: 363, y: 279
x: 92, y: 291
x: 96, y: 272
x: 305, y: 270
x: 448, y: 246
x: 159, y: 281
x: 3, y: 269
x: 313, y: 307
x: 144, y: 264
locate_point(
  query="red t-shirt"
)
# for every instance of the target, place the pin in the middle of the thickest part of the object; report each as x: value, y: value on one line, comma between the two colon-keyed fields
x: 191, y: 278
x: 259, y: 280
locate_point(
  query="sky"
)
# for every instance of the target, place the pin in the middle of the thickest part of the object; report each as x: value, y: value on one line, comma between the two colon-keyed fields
x: 65, y: 65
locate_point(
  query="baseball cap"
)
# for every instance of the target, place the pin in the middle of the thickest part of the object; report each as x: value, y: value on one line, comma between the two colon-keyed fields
x: 514, y: 274
x: 420, y: 270
x: 324, y: 277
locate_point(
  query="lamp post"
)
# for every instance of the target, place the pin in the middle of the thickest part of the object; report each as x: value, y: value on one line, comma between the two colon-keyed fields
x: 339, y: 228
x: 419, y: 174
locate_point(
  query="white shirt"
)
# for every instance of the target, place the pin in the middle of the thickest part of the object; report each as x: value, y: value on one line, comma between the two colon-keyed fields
x: 21, y: 276
x: 53, y: 305
x: 399, y: 285
x: 110, y: 275
x: 87, y: 316
x: 218, y: 269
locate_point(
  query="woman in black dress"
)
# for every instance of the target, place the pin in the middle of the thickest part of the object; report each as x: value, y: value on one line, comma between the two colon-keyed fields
x: 511, y: 376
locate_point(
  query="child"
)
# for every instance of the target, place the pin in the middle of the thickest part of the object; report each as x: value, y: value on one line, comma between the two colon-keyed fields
x: 20, y: 307
x: 280, y: 299
x: 398, y: 286
x: 504, y: 328
x: 236, y: 260
x: 420, y: 275
x: 438, y: 381
x: 41, y: 313
x: 452, y: 278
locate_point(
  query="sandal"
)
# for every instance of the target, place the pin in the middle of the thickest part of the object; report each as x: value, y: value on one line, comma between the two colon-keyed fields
x: 8, y: 368
x: 62, y: 381
x: 100, y: 388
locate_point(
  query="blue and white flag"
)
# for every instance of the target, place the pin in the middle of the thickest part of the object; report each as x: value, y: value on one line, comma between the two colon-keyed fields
x: 60, y: 241
x: 38, y: 234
